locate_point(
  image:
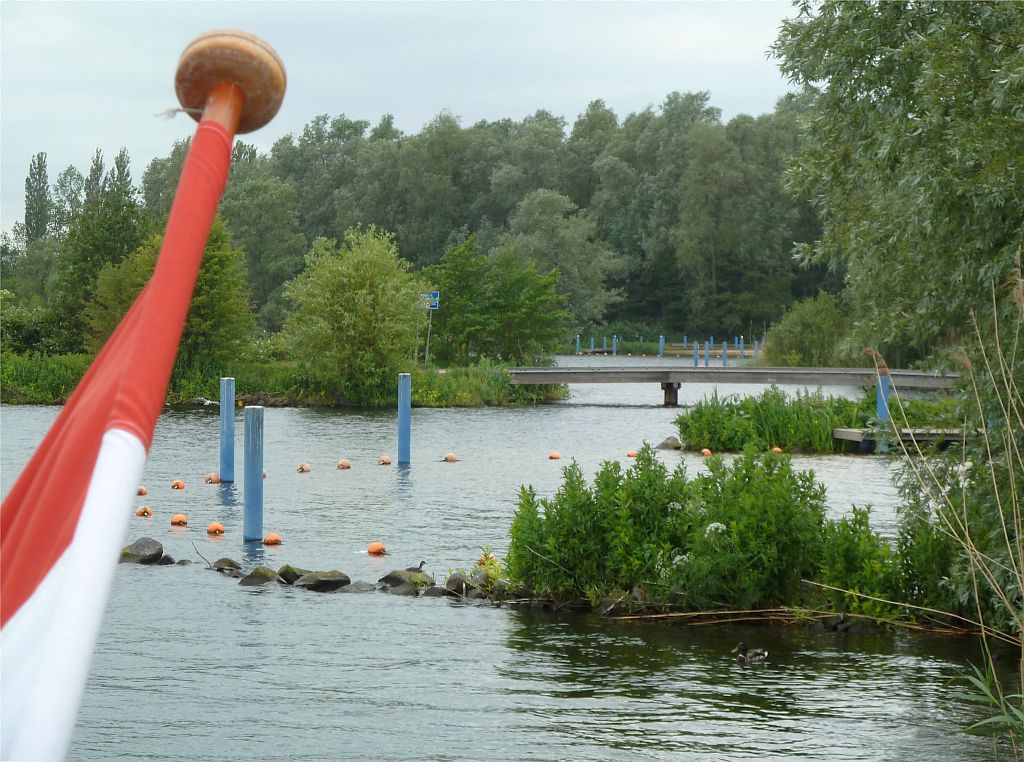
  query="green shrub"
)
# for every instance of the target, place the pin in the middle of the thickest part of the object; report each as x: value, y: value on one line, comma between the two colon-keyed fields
x: 860, y: 562
x: 40, y: 379
x: 811, y: 333
x: 586, y: 541
x: 804, y: 422
x: 757, y: 530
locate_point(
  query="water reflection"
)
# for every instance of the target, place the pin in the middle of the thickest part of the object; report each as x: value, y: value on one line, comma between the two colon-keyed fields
x: 652, y: 688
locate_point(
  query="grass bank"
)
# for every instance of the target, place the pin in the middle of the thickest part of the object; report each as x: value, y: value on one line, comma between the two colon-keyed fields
x: 33, y: 379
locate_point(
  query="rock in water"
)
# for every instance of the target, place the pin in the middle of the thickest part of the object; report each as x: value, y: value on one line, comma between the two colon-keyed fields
x: 261, y: 575
x: 323, y: 582
x: 144, y: 550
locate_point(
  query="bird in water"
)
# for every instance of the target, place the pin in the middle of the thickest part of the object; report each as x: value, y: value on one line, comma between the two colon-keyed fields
x: 746, y: 656
x: 417, y: 569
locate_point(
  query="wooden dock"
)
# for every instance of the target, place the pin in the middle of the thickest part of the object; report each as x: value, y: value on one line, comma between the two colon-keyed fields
x: 867, y: 440
x: 670, y: 378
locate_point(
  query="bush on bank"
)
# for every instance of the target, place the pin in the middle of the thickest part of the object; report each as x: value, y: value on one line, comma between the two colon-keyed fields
x: 804, y: 422
x: 747, y: 535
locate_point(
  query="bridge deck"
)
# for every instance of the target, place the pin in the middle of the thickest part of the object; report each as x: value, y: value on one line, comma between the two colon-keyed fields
x: 812, y: 377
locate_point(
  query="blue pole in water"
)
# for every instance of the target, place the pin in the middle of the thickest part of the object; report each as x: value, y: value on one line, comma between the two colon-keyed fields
x: 615, y: 345
x: 577, y: 343
x: 725, y: 353
x: 707, y: 354
x: 711, y: 341
x: 227, y: 429
x: 661, y: 346
x: 252, y: 524
x: 757, y: 352
x: 591, y: 343
x: 741, y: 347
x: 404, y: 417
x: 686, y: 340
x: 882, y: 389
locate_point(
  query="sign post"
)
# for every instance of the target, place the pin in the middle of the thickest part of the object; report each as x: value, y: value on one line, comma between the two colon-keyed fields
x: 430, y: 301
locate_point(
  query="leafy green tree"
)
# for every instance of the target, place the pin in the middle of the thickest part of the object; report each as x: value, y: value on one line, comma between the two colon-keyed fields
x: 914, y: 156
x: 494, y: 306
x: 111, y: 225
x: 38, y: 202
x: 263, y: 217
x: 219, y: 321
x: 813, y: 333
x: 590, y: 135
x: 354, y: 323
x: 67, y: 201
x: 160, y: 180
x: 548, y: 229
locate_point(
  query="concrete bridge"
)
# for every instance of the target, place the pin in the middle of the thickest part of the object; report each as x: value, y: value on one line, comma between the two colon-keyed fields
x: 671, y: 378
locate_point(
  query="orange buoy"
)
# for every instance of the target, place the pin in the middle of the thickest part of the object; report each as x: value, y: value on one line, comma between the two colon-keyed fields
x: 554, y: 456
x: 706, y: 452
x: 376, y: 548
x: 215, y: 528
x: 776, y: 449
x: 343, y: 464
x: 144, y: 511
x: 179, y: 520
x: 450, y: 457
x: 384, y: 460
x: 212, y: 478
x: 303, y: 468
x: 142, y: 491
x: 631, y: 454
x: 272, y: 539
x: 177, y: 484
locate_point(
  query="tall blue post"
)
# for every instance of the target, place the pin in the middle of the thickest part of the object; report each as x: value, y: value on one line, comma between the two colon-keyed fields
x: 591, y: 343
x: 696, y: 353
x: 711, y: 340
x: 661, y: 346
x: 227, y: 429
x: 725, y: 353
x: 741, y: 347
x: 404, y: 418
x: 686, y: 340
x: 707, y: 354
x: 882, y: 389
x: 252, y: 524
x: 604, y: 342
x: 757, y: 352
x: 615, y: 345
x: 577, y: 343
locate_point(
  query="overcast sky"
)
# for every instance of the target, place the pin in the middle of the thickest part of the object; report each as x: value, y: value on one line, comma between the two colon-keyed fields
x: 77, y: 76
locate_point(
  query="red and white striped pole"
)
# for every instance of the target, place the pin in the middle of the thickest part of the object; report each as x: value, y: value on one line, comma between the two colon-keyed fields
x: 63, y: 522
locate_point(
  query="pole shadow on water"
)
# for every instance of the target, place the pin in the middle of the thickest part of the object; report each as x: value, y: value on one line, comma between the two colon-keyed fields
x: 405, y: 485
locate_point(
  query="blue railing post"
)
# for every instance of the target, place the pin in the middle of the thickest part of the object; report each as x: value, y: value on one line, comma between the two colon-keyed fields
x: 591, y: 343
x: 707, y: 354
x: 686, y: 340
x: 696, y: 359
x: 577, y: 343
x: 725, y: 353
x: 741, y: 347
x: 404, y: 418
x: 227, y: 430
x: 252, y: 525
x: 661, y: 346
x: 757, y: 352
x: 615, y: 345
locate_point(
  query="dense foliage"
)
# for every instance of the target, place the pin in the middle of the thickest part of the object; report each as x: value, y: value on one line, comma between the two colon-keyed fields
x: 353, y: 326
x: 914, y: 157
x: 745, y: 535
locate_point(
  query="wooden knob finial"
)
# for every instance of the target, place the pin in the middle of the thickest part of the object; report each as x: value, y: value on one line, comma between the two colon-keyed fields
x: 231, y: 56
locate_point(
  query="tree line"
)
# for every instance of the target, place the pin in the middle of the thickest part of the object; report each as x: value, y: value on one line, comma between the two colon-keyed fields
x: 667, y: 221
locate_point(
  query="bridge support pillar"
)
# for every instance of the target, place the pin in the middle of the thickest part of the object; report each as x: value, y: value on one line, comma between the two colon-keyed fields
x: 671, y: 389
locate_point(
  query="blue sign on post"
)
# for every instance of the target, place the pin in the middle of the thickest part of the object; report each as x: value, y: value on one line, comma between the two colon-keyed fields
x: 435, y: 298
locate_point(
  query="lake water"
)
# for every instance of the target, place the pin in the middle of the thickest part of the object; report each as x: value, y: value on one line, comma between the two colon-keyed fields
x: 191, y: 666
